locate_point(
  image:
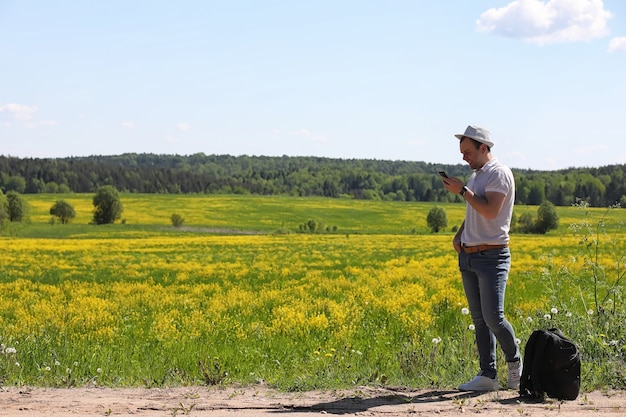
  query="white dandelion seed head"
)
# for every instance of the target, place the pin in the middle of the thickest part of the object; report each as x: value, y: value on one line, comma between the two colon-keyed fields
x: 68, y: 370
x: 547, y: 316
x: 553, y: 310
x: 517, y: 341
x: 10, y: 351
x: 436, y: 340
x: 568, y: 314
x: 465, y: 311
x: 57, y: 363
x: 47, y: 369
x: 471, y: 327
x: 18, y: 364
x: 99, y: 370
x: 529, y: 319
x: 590, y: 312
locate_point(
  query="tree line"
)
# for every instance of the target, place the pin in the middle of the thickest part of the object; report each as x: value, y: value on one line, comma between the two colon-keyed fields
x: 296, y: 176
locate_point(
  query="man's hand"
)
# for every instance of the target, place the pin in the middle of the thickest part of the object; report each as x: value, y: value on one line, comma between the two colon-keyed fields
x: 453, y: 184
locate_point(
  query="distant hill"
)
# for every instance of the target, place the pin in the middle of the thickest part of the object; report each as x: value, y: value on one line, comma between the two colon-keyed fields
x: 298, y: 176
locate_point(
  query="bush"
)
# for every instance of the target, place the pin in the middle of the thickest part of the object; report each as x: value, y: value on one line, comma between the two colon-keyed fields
x: 177, y: 220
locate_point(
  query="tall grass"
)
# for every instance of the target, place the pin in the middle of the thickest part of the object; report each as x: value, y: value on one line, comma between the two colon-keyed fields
x: 379, y: 302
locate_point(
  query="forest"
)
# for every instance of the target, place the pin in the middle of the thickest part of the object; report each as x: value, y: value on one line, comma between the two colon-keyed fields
x: 296, y: 176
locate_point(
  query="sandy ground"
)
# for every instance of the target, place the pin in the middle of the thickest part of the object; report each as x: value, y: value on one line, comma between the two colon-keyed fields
x: 262, y: 401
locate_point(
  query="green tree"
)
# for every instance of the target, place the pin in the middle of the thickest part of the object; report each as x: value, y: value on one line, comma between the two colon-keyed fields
x: 437, y: 219
x: 63, y: 210
x: 16, y: 206
x: 107, y: 205
x: 4, y: 208
x: 547, y: 218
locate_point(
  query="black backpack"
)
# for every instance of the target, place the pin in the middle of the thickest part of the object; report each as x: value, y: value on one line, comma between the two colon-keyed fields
x: 551, y: 366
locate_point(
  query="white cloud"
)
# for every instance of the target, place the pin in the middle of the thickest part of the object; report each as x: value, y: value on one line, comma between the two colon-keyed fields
x: 307, y: 134
x: 48, y: 122
x: 544, y: 22
x: 128, y: 125
x: 618, y: 44
x: 301, y: 132
x: 183, y: 127
x: 586, y: 150
x: 18, y: 111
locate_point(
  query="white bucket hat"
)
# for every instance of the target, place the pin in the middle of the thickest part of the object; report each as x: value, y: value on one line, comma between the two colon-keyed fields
x: 478, y: 134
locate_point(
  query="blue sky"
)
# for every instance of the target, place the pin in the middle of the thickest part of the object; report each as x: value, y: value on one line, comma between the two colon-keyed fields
x: 388, y: 79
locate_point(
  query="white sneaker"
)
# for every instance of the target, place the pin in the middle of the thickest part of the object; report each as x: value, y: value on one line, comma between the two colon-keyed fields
x: 515, y: 373
x: 480, y: 383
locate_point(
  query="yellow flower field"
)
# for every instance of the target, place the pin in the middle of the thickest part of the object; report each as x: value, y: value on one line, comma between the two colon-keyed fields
x: 123, y: 306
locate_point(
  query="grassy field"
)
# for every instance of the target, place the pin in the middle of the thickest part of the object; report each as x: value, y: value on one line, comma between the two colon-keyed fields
x: 236, y: 295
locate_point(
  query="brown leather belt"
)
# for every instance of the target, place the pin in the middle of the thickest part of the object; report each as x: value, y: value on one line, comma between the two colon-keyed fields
x: 480, y: 248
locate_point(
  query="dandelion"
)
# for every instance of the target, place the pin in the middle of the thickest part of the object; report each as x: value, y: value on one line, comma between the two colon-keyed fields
x: 329, y: 355
x: 17, y: 364
x: 68, y: 371
x: 568, y: 314
x: 590, y: 312
x: 547, y: 316
x: 47, y: 369
x: 75, y: 363
x: 518, y: 341
x: 554, y: 310
x: 529, y: 319
x: 465, y: 311
x: 57, y: 363
x: 11, y: 351
x: 99, y: 370
x: 471, y: 327
x: 436, y: 340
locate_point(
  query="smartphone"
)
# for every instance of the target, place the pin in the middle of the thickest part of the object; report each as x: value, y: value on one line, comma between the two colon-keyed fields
x: 443, y: 174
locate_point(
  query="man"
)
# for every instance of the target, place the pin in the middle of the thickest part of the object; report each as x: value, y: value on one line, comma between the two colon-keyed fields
x: 484, y: 257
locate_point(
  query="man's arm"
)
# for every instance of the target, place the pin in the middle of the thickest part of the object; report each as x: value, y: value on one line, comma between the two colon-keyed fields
x: 488, y: 206
x: 456, y: 241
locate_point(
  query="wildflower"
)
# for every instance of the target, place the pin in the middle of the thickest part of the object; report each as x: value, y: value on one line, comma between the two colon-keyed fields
x: 47, y: 369
x: 529, y: 319
x: 317, y: 352
x: 471, y: 327
x: 68, y: 370
x: 568, y: 314
x: 517, y: 341
x: 590, y: 312
x: 329, y: 355
x: 554, y: 310
x: 10, y: 351
x: 547, y: 316
x: 99, y: 370
x: 57, y: 363
x: 75, y: 363
x: 436, y: 340
x: 465, y: 311
x: 17, y: 364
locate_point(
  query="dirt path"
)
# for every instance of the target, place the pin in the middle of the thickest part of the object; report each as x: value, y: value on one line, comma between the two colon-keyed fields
x: 262, y: 401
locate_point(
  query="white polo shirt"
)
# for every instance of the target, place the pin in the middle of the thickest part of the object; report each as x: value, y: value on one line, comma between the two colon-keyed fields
x: 497, y: 177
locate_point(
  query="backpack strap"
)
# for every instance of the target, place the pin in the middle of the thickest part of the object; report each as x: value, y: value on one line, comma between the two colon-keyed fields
x: 527, y: 383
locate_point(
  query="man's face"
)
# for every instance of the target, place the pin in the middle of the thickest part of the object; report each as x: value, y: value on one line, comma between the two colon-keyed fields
x: 474, y: 157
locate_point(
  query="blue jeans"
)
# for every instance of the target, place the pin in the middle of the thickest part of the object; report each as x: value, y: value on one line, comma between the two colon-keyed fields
x: 484, y: 280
